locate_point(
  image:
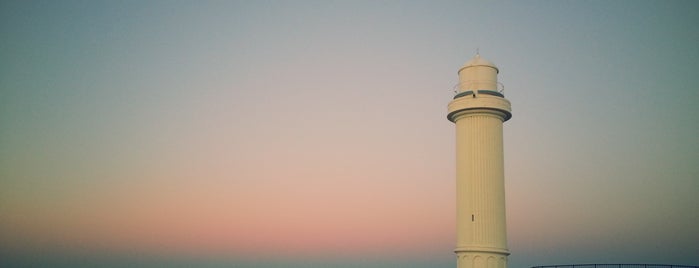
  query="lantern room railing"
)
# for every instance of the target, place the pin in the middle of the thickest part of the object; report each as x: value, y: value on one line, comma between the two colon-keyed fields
x: 471, y: 85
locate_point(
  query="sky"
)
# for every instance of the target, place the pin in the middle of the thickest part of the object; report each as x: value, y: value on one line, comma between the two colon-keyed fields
x: 314, y: 133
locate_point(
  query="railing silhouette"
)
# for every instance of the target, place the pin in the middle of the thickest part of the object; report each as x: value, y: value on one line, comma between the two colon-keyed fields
x: 473, y: 85
x: 619, y: 265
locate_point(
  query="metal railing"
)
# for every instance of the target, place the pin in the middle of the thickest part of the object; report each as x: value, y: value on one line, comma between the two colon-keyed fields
x: 471, y: 85
x: 618, y: 265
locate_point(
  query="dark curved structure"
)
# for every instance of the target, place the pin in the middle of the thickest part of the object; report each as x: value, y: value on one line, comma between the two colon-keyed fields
x: 617, y: 265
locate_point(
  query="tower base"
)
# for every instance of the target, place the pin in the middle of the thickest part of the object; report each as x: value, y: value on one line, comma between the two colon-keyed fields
x: 481, y: 259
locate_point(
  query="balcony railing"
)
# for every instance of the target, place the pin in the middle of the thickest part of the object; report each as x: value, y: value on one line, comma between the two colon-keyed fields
x: 473, y: 85
x: 619, y: 265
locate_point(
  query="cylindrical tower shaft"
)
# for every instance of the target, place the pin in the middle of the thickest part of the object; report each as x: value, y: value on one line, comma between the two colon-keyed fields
x: 478, y: 111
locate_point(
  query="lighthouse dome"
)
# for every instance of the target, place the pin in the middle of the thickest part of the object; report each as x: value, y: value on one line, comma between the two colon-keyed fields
x: 478, y: 61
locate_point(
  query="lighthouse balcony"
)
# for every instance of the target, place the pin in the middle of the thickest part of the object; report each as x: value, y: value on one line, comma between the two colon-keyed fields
x: 479, y: 87
x: 479, y: 91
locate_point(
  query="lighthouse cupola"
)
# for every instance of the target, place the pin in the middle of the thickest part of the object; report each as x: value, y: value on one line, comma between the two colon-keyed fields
x: 478, y: 74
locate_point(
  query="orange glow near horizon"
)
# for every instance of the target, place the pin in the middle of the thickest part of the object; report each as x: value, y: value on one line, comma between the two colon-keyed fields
x: 192, y: 218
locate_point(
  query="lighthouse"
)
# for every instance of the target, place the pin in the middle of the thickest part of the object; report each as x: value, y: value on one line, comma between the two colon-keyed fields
x: 479, y: 110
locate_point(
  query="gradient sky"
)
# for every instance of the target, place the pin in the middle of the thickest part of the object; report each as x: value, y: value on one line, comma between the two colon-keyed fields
x: 314, y: 133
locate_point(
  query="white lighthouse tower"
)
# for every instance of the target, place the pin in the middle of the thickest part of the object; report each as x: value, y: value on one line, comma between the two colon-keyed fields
x: 478, y: 110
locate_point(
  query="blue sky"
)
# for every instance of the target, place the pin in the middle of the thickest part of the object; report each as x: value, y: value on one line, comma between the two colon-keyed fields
x: 316, y: 131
